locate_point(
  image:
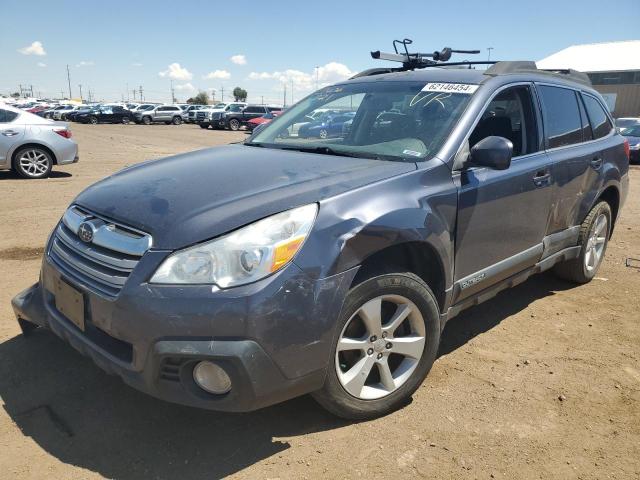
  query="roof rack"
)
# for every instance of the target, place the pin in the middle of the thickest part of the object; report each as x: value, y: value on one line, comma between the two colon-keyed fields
x: 502, y: 68
x: 412, y: 61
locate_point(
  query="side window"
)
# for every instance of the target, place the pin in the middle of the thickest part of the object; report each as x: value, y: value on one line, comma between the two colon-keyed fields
x: 510, y: 115
x: 253, y: 110
x: 599, y: 120
x: 561, y: 116
x: 162, y: 109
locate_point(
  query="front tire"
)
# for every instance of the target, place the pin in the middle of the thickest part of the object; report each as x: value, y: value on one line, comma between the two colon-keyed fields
x: 33, y: 162
x: 234, y: 124
x: 146, y: 120
x: 125, y: 120
x: 176, y: 120
x: 389, y: 331
x: 593, y: 240
x: 93, y: 120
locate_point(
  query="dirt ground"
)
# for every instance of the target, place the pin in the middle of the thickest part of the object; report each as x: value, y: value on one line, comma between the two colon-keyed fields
x: 541, y: 382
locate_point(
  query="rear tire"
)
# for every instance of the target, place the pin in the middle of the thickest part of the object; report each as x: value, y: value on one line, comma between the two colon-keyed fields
x: 146, y: 120
x: 93, y: 120
x: 125, y: 120
x: 176, y: 120
x: 593, y: 240
x: 234, y: 124
x: 374, y: 373
x: 32, y: 162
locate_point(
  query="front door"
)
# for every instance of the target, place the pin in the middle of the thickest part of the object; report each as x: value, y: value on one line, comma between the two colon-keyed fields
x: 503, y: 214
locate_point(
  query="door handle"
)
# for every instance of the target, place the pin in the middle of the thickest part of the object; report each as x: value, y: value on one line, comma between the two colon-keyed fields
x: 542, y: 178
x: 596, y: 163
x: 10, y: 133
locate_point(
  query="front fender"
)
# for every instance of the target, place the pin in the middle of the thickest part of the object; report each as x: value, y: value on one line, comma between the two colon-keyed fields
x: 419, y: 206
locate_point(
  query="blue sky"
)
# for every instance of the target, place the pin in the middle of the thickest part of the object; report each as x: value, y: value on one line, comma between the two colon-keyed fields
x: 112, y: 43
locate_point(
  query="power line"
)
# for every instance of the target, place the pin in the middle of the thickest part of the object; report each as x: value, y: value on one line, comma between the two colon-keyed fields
x: 69, y: 81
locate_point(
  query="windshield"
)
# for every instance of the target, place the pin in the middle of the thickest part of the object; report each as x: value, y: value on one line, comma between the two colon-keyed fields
x: 387, y: 120
x: 220, y: 105
x: 631, y: 131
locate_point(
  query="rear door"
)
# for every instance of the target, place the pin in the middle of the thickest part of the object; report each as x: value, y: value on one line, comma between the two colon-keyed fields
x: 503, y: 214
x: 11, y: 133
x: 577, y: 161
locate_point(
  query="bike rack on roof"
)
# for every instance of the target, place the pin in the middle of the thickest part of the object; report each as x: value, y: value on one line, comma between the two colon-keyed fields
x: 440, y: 59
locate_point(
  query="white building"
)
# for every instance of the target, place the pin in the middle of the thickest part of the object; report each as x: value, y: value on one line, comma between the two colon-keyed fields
x: 614, y: 70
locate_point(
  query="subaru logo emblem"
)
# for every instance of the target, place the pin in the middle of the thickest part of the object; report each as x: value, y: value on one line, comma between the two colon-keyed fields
x: 85, y: 232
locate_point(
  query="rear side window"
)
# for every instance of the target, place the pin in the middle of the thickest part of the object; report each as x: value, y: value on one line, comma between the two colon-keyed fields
x: 561, y: 116
x: 600, y: 123
x: 7, y: 116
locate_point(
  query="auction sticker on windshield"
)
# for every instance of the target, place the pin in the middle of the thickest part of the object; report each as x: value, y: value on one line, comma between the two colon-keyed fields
x: 450, y: 88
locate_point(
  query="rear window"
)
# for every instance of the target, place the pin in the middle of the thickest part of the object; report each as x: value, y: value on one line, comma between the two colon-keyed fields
x: 600, y: 123
x: 561, y: 116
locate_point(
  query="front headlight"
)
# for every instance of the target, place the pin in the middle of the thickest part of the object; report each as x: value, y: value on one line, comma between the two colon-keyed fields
x: 244, y: 256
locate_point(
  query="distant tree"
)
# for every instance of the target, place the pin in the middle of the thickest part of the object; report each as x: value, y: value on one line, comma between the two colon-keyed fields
x: 15, y: 95
x: 240, y: 94
x: 202, y: 98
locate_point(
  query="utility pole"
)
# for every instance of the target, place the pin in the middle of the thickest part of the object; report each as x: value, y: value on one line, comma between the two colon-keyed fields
x: 69, y: 81
x: 285, y: 94
x: 134, y: 94
x: 222, y: 93
x: 141, y: 97
x: 489, y: 56
x: 61, y: 94
x: 173, y: 97
x: 80, y: 85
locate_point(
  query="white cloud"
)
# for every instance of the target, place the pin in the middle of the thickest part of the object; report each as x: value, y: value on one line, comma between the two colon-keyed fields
x: 176, y: 72
x: 330, y: 73
x: 239, y: 59
x: 136, y: 64
x: 35, y: 48
x: 85, y: 64
x: 218, y: 75
x: 40, y: 64
x: 185, y: 87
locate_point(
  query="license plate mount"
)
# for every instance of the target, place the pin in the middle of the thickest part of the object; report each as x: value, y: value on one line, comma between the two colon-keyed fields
x: 69, y: 302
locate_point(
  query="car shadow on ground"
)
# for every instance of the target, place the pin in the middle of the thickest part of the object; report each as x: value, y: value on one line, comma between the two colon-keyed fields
x: 86, y: 418
x: 11, y: 175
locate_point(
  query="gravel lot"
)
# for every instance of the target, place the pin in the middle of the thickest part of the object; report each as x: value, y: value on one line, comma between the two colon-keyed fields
x: 541, y: 382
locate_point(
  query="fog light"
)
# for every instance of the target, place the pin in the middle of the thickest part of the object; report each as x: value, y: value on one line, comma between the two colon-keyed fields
x: 212, y: 378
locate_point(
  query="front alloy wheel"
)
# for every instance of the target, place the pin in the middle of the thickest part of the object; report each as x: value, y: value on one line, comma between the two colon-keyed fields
x: 380, y: 347
x: 234, y: 124
x: 389, y: 330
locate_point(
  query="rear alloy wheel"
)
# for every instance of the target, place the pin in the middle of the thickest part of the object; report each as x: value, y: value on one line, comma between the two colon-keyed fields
x: 125, y: 120
x: 389, y: 335
x: 323, y: 133
x: 176, y: 120
x: 234, y: 124
x: 146, y: 120
x: 93, y: 120
x: 33, y: 162
x: 593, y: 239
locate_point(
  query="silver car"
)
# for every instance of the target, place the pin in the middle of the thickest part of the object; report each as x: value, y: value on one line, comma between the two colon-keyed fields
x: 31, y: 145
x: 161, y: 113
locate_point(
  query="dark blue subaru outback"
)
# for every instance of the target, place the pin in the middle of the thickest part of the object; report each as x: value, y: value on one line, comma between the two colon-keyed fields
x: 237, y: 277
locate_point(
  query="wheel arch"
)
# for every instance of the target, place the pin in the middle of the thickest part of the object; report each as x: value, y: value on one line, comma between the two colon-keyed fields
x: 34, y: 145
x: 417, y: 257
x: 611, y: 195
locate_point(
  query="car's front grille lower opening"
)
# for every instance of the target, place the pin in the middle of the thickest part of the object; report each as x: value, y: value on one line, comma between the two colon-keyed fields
x: 170, y: 369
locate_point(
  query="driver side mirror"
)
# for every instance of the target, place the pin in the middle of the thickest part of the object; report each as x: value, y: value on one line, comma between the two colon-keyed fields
x: 492, y: 152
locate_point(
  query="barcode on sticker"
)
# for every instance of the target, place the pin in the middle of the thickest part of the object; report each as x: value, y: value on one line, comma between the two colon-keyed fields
x: 413, y: 153
x: 450, y: 88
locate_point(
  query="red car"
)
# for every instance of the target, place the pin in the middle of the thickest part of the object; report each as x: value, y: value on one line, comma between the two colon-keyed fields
x: 37, y: 109
x: 266, y: 118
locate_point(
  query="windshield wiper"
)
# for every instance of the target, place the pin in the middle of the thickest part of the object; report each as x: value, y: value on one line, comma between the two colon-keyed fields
x: 324, y: 150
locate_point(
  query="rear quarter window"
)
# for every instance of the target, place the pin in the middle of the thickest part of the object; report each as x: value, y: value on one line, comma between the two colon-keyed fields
x: 600, y: 123
x: 7, y: 116
x: 561, y: 116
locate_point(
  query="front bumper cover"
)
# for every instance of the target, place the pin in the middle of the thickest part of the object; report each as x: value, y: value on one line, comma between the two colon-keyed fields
x: 273, y: 337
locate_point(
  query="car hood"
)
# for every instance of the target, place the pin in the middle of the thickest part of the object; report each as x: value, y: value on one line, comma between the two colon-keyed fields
x: 193, y: 197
